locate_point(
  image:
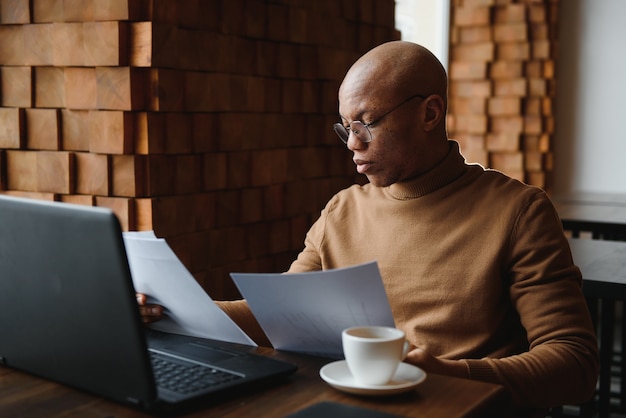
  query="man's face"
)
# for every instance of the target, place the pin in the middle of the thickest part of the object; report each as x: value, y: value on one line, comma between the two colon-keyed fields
x: 394, y: 152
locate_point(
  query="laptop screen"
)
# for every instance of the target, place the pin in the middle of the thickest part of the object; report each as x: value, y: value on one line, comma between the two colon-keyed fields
x: 67, y: 306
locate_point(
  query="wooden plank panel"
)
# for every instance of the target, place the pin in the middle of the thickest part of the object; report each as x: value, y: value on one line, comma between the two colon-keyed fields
x: 49, y: 85
x: 166, y: 90
x: 107, y: 10
x: 503, y: 106
x: 178, y: 133
x: 16, y: 86
x: 78, y: 10
x: 510, y: 124
x: 55, y: 172
x: 149, y: 132
x: 165, y: 11
x: 11, y: 45
x: 510, y: 13
x: 163, y: 216
x: 110, y: 132
x: 75, y: 130
x: 123, y: 208
x: 513, y: 51
x: 93, y: 175
x: 68, y: 42
x: 215, y: 171
x: 47, y: 10
x: 14, y: 11
x: 481, y: 51
x: 11, y: 128
x: 78, y: 199
x: 165, y: 45
x: 143, y: 214
x: 38, y: 48
x: 140, y: 44
x: 80, y: 88
x: 187, y: 41
x: 510, y: 32
x: 31, y: 195
x: 161, y: 174
x: 505, y: 69
x: 120, y: 88
x: 105, y: 43
x: 128, y: 173
x: 188, y: 174
x: 471, y: 16
x: 200, y: 14
x: 207, y: 92
x: 43, y: 129
x: 21, y: 170
x: 204, y: 129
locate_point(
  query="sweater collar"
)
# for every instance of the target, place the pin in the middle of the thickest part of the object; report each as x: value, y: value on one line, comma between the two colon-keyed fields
x: 447, y: 170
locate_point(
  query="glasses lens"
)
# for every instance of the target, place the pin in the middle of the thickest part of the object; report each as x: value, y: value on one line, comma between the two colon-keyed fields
x: 359, y: 130
x: 341, y: 132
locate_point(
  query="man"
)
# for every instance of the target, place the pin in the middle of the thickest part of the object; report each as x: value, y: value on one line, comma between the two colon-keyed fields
x: 475, y: 264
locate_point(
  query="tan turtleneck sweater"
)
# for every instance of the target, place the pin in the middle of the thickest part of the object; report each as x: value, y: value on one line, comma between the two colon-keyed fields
x: 476, y: 268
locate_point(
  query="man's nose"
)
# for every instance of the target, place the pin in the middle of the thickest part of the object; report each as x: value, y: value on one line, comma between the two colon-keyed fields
x: 354, y: 143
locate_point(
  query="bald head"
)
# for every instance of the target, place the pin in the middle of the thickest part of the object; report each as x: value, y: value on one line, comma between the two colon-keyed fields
x: 394, y: 70
x: 398, y: 92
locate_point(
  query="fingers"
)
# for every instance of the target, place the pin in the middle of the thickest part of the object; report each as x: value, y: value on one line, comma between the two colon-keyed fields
x: 149, y: 312
x: 431, y: 364
x: 419, y: 357
x: 141, y: 298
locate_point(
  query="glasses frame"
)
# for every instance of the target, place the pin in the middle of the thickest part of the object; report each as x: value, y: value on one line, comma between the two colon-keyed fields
x: 356, y: 126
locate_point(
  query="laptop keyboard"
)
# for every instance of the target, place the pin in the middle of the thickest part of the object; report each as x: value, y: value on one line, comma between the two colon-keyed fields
x: 186, y: 377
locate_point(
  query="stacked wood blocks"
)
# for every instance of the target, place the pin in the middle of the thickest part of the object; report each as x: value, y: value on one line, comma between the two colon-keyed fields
x: 207, y: 121
x: 502, y: 58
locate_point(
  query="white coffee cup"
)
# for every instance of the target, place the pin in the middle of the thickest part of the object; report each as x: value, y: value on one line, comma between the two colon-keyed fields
x: 373, y: 353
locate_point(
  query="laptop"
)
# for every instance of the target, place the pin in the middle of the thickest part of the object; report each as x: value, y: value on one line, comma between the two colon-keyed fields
x: 68, y: 313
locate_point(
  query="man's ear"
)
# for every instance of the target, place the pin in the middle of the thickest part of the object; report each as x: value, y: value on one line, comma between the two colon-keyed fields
x: 434, y: 113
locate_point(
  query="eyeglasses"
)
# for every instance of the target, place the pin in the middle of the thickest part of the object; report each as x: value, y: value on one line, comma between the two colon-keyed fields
x: 362, y: 130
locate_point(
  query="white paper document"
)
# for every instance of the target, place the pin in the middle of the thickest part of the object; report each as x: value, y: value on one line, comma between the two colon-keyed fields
x: 306, y: 312
x: 158, y: 272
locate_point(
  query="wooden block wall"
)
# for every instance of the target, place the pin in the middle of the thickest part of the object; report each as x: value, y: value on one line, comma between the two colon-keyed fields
x: 502, y: 84
x: 207, y: 121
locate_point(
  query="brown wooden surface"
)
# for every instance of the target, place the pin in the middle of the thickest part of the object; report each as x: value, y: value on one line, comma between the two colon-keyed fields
x: 601, y: 214
x: 15, y: 86
x: 43, y: 129
x: 437, y: 396
x: 22, y: 167
x: 92, y: 174
x: 55, y: 172
x: 11, y: 121
x: 123, y: 207
x: 80, y: 88
x: 110, y: 132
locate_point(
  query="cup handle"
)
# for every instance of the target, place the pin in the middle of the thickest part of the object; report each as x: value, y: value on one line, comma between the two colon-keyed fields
x: 406, y: 348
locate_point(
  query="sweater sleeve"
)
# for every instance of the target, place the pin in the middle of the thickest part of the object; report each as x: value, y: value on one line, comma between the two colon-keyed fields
x: 561, y: 365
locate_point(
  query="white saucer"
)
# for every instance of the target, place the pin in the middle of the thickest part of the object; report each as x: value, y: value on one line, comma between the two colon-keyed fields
x: 338, y: 376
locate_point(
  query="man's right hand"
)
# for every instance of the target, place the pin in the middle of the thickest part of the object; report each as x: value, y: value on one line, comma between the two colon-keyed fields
x: 149, y: 312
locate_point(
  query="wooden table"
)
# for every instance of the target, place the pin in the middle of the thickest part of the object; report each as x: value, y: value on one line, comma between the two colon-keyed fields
x: 603, y: 267
x: 601, y: 214
x: 593, y: 198
x: 22, y: 395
